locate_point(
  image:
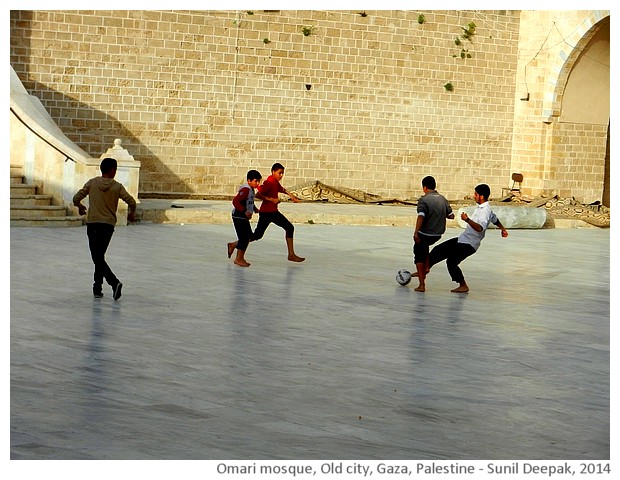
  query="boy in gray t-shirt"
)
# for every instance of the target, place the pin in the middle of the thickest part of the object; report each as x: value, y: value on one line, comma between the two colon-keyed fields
x: 433, y: 209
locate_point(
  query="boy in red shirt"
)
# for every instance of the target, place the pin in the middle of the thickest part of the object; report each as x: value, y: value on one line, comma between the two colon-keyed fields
x: 269, y: 213
x: 241, y: 215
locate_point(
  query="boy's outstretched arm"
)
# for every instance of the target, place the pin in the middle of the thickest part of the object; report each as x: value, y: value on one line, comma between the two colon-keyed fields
x: 499, y: 225
x: 260, y: 196
x: 293, y: 197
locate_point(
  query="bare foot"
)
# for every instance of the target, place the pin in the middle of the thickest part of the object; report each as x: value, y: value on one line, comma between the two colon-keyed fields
x: 461, y: 289
x: 231, y: 249
x: 295, y: 258
x: 241, y: 263
x: 420, y: 288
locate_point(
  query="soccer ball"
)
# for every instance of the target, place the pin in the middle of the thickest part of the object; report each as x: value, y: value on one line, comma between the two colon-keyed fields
x: 403, y: 277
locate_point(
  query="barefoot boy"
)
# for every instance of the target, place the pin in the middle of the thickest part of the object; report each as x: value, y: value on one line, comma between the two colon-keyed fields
x: 269, y: 213
x: 457, y: 249
x: 433, y: 209
x: 241, y: 215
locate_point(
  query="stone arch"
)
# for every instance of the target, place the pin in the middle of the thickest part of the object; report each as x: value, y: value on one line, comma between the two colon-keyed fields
x: 576, y: 105
x: 566, y: 59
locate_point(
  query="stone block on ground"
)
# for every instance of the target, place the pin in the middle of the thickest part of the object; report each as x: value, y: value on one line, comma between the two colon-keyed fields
x: 511, y: 217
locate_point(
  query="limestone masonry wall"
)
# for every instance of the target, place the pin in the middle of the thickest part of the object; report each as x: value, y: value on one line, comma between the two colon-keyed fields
x: 353, y: 99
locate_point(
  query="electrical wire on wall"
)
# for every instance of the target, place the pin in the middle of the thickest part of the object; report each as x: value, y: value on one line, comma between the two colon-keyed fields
x: 236, y: 71
x: 542, y: 48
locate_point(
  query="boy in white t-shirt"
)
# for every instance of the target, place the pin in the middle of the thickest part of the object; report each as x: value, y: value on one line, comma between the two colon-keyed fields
x: 457, y: 249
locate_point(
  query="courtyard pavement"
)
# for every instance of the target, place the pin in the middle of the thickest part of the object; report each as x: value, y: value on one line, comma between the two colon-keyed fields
x: 326, y: 359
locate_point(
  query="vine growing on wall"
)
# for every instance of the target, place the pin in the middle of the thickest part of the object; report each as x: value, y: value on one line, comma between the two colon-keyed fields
x: 462, y: 41
x: 467, y: 35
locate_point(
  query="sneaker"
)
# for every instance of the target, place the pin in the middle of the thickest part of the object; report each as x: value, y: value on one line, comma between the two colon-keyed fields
x: 97, y: 293
x: 117, y: 291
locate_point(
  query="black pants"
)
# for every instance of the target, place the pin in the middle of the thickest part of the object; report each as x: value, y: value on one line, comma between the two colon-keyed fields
x: 280, y: 220
x: 244, y: 232
x: 453, y: 253
x: 99, y: 236
x: 421, y: 249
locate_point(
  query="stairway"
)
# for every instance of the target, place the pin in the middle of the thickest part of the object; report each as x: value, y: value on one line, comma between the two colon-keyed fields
x: 32, y: 209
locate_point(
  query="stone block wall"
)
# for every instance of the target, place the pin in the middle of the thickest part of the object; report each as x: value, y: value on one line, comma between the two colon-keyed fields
x: 560, y: 156
x: 577, y: 150
x: 353, y: 99
x: 199, y: 97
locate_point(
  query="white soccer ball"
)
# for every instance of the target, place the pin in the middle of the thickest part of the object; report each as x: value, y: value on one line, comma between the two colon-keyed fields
x: 403, y: 277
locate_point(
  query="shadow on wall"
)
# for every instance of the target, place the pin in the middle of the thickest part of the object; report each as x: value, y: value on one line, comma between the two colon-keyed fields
x: 95, y: 132
x: 91, y: 129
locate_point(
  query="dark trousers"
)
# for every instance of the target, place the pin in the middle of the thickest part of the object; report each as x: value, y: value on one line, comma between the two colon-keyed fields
x: 244, y: 232
x: 264, y: 219
x: 421, y: 249
x: 453, y: 253
x: 99, y: 236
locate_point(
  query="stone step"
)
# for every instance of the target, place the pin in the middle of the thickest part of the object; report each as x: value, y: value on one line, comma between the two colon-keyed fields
x: 23, y: 189
x: 30, y: 200
x: 47, y: 222
x: 29, y: 209
x: 16, y: 178
x: 26, y: 211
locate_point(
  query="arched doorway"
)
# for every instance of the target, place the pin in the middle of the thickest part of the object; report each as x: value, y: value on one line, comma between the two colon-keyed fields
x: 581, y: 139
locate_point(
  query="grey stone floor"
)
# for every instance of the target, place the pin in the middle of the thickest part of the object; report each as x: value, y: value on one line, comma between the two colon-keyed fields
x: 328, y: 359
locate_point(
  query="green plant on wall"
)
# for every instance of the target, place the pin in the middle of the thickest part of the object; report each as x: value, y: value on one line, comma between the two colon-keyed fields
x: 307, y: 31
x: 421, y: 19
x: 464, y: 53
x: 468, y: 34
